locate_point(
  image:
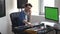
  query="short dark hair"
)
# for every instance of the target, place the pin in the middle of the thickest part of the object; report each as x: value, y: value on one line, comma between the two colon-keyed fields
x: 28, y: 4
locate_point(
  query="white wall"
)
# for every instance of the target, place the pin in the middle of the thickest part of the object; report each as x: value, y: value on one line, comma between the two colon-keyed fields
x: 9, y: 6
x: 40, y: 6
x: 57, y: 4
x: 4, y: 24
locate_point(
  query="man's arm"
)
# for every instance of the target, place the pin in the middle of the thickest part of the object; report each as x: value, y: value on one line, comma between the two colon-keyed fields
x: 28, y: 23
x: 29, y: 16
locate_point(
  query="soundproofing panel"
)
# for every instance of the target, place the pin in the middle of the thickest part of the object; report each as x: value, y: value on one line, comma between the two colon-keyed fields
x: 21, y: 3
x: 2, y: 8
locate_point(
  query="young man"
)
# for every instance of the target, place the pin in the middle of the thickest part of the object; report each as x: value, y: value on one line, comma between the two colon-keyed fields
x: 25, y: 15
x: 24, y: 18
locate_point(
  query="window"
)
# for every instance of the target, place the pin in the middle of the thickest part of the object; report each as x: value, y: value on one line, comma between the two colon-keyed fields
x: 35, y: 8
x: 49, y: 3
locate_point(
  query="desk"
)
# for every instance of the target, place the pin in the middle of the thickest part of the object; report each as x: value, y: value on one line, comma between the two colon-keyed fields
x: 57, y: 28
x: 42, y: 31
x: 41, y: 19
x: 36, y: 28
x: 55, y: 25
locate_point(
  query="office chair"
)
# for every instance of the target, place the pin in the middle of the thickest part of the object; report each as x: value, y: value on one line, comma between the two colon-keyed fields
x: 0, y: 32
x: 15, y: 20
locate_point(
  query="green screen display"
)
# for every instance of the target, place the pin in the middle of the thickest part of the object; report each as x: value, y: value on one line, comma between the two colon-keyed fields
x: 52, y: 13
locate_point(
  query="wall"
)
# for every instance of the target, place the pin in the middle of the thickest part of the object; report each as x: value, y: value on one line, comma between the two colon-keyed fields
x: 4, y: 24
x: 9, y: 6
x: 40, y: 6
x: 57, y: 4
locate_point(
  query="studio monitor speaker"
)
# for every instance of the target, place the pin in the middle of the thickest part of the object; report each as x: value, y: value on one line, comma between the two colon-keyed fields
x: 20, y: 3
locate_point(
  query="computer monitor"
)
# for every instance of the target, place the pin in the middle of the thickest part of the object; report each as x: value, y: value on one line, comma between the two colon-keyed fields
x: 52, y: 13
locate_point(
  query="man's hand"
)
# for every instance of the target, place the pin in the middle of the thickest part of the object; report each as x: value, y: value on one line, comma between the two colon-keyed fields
x: 29, y: 24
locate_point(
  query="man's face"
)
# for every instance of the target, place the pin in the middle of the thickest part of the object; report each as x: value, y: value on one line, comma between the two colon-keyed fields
x: 28, y: 8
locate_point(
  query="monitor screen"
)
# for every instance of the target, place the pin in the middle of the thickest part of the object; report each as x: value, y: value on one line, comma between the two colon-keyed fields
x: 52, y: 13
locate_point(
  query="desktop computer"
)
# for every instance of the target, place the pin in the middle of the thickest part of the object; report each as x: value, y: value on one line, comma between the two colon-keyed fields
x: 52, y: 13
x: 51, y: 16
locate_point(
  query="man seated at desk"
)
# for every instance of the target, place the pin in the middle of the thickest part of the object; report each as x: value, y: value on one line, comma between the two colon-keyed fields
x: 25, y: 16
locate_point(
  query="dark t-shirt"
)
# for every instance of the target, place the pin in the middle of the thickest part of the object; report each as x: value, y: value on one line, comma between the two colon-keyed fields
x: 22, y: 16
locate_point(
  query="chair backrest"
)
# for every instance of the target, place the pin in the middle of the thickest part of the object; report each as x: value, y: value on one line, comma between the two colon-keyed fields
x: 14, y: 19
x: 0, y: 32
